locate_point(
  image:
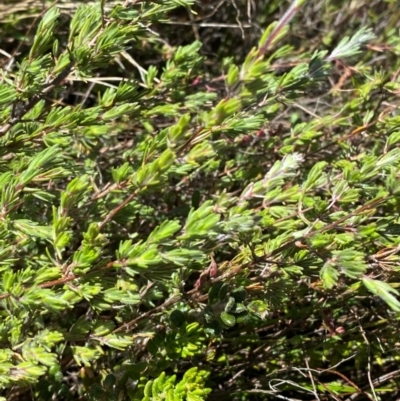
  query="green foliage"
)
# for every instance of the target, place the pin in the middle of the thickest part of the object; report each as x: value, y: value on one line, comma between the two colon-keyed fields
x: 190, y: 388
x: 170, y: 202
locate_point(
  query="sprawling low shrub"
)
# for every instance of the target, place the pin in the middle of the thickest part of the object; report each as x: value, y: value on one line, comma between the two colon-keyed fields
x: 175, y: 229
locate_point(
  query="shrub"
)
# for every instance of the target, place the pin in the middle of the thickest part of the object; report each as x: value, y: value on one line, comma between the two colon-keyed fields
x: 170, y: 227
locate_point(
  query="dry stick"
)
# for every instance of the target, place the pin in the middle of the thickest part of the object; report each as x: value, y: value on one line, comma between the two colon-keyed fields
x: 117, y: 209
x: 379, y: 380
x: 386, y: 377
x: 234, y: 377
x: 345, y: 378
x: 210, y: 25
x: 36, y: 98
x: 289, y: 14
x: 273, y: 393
x: 369, y: 360
x: 328, y: 227
x: 312, y: 380
x: 290, y: 382
x: 339, y: 363
x: 63, y: 280
x: 159, y: 308
x: 134, y: 194
x: 327, y: 389
x: 365, y: 126
x: 32, y: 24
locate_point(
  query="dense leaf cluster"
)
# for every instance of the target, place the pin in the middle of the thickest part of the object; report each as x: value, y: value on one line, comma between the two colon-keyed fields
x: 177, y: 224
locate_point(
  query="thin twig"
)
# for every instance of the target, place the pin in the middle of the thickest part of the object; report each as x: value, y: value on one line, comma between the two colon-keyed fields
x: 21, y: 111
x: 210, y: 24
x: 117, y: 209
x: 312, y: 380
x: 377, y: 381
x: 273, y: 393
x: 369, y: 365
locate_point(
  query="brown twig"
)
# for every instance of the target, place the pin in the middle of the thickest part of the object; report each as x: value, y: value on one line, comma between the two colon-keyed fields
x: 117, y: 209
x: 21, y: 110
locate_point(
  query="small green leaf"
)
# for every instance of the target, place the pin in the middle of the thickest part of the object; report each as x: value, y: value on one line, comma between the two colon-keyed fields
x: 228, y: 319
x: 329, y: 275
x: 177, y: 318
x: 384, y: 291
